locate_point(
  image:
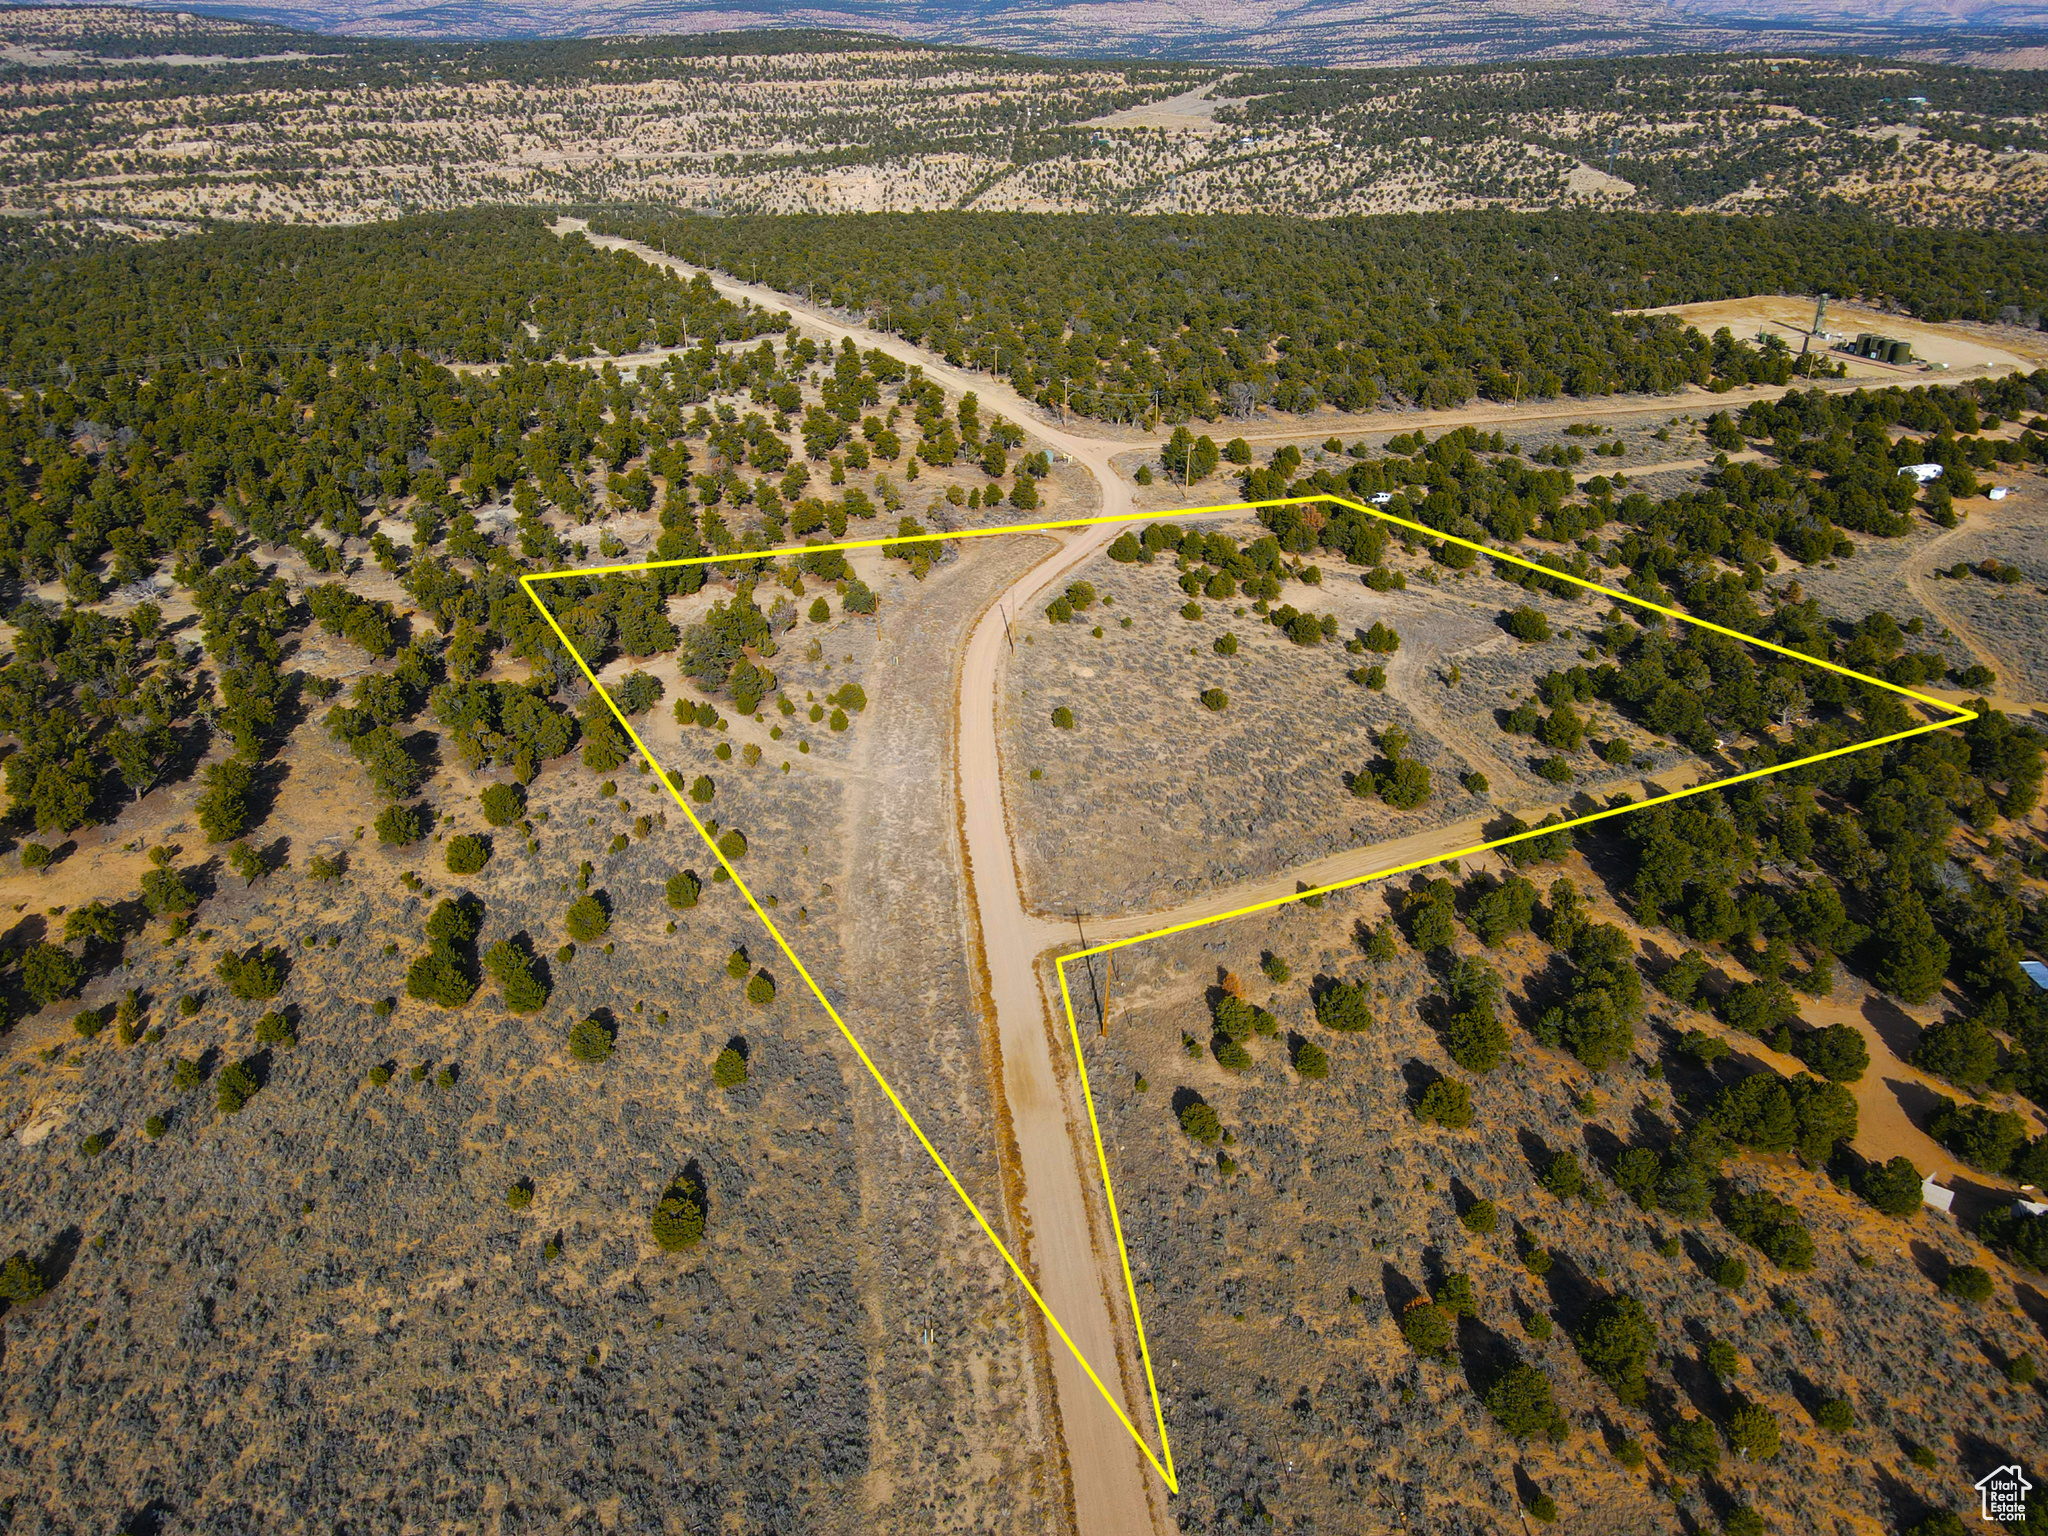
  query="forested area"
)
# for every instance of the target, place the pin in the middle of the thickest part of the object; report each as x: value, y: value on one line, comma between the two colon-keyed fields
x: 1108, y: 316
x: 182, y: 479
x: 1850, y: 862
x: 482, y: 286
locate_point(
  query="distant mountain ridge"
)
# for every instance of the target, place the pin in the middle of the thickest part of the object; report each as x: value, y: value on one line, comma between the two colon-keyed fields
x: 1266, y: 31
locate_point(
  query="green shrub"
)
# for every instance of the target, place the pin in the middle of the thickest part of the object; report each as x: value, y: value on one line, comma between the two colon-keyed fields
x: 440, y: 976
x: 49, y: 972
x: 519, y: 1196
x: 1893, y: 1187
x: 1722, y: 1359
x: 1480, y: 1216
x: 1063, y: 717
x: 588, y: 917
x: 1753, y: 1432
x: 380, y: 1075
x: 1615, y: 1338
x: 398, y: 825
x: 166, y: 894
x: 1691, y: 1448
x: 1968, y: 1283
x: 275, y: 1029
x: 1310, y: 1060
x: 20, y: 1282
x: 1729, y: 1272
x: 1837, y: 1052
x: 590, y: 1041
x: 1772, y: 1226
x: 1963, y: 1050
x: 1406, y: 785
x: 683, y: 889
x: 1526, y: 624
x: 1521, y: 1403
x: 1199, y: 1121
x: 1343, y: 1006
x: 1834, y: 1414
x: 253, y: 976
x: 155, y: 1126
x: 761, y: 989
x: 678, y: 1220
x: 467, y: 854
x: 512, y: 968
x: 235, y: 1086
x: 1981, y: 1136
x: 730, y: 1069
x: 87, y: 1024
x: 503, y: 803
x: 1231, y: 1056
x: 1429, y: 1329
x: 1563, y: 1176
x: 1446, y: 1103
x: 1215, y: 700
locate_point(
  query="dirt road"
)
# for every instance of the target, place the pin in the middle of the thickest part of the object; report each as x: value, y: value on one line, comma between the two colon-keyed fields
x: 1921, y: 586
x: 1072, y: 1259
x: 996, y: 396
x: 1074, y: 1267
x: 1114, y: 1492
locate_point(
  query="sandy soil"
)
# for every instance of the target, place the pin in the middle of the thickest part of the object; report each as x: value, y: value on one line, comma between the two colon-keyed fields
x: 1190, y: 112
x: 1958, y: 346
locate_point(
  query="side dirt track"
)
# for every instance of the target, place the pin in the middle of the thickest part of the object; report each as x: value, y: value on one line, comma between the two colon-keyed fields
x: 1061, y: 1233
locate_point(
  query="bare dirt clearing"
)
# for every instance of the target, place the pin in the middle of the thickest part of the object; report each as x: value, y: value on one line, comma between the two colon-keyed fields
x: 1958, y: 346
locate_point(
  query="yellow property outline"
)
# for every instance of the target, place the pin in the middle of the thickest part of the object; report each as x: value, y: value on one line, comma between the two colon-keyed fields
x: 1956, y: 713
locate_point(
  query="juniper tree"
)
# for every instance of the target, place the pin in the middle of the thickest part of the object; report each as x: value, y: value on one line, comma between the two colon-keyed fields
x: 678, y: 1219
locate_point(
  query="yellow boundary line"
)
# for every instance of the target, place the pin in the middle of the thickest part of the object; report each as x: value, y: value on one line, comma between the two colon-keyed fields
x: 1956, y: 714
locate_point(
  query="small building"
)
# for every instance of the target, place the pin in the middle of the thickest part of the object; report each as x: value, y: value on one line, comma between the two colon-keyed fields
x: 1933, y: 1194
x: 2037, y: 973
x: 2000, y: 492
x: 1922, y: 472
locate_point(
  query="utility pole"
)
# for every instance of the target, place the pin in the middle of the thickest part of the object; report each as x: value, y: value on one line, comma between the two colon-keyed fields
x: 1108, y: 982
x: 1007, y: 635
